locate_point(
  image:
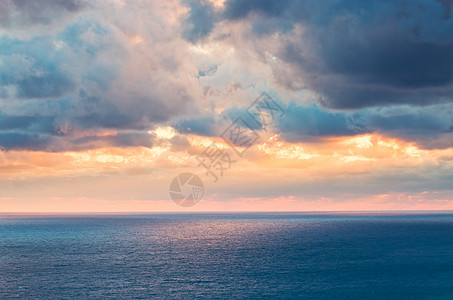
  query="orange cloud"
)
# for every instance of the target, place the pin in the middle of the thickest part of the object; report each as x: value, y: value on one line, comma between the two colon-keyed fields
x: 137, y: 178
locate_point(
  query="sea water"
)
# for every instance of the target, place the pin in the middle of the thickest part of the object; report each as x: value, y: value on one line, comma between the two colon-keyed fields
x: 227, y: 256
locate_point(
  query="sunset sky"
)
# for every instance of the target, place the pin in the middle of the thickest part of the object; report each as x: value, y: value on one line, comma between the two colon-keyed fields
x: 103, y: 103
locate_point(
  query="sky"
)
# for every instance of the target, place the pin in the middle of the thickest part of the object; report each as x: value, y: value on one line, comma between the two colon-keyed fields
x: 343, y: 105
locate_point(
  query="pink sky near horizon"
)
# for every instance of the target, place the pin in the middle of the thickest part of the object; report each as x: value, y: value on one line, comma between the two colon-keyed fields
x: 138, y: 179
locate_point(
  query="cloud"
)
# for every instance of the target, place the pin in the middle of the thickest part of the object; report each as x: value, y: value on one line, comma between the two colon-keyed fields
x: 200, y: 20
x: 26, y: 123
x: 87, y: 74
x: 57, y: 143
x: 138, y: 139
x: 21, y: 141
x: 354, y: 54
x: 29, y: 69
x: 304, y: 123
x: 370, y: 66
x: 202, y: 126
x: 25, y: 13
x: 430, y: 127
x: 127, y: 92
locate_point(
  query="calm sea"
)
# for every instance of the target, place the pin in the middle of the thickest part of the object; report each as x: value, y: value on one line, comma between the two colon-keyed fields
x: 227, y: 256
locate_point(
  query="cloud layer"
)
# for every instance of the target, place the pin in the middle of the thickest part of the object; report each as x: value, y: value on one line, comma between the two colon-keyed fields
x: 87, y: 70
x: 123, y: 93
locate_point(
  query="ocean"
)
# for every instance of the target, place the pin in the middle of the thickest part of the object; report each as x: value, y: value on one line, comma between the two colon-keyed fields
x: 227, y: 256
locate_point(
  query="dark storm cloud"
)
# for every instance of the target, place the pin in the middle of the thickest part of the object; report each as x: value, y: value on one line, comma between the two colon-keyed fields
x: 23, y: 132
x: 23, y: 141
x: 380, y: 67
x: 29, y: 123
x: 360, y: 53
x: 430, y: 127
x: 306, y: 123
x: 53, y: 143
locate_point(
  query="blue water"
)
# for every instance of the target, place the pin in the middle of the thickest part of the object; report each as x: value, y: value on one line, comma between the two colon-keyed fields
x: 227, y: 256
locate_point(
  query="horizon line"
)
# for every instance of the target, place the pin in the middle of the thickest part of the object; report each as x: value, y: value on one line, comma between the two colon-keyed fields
x: 223, y: 212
